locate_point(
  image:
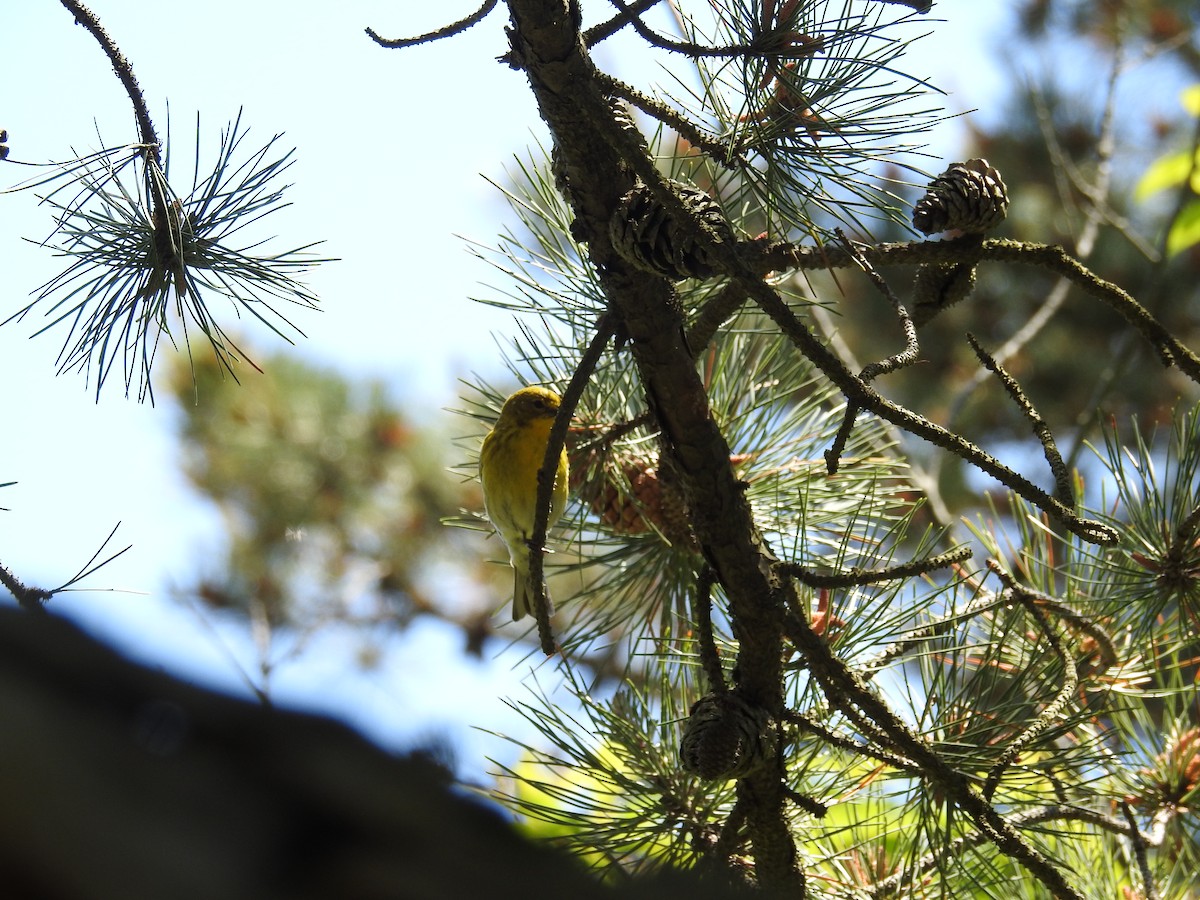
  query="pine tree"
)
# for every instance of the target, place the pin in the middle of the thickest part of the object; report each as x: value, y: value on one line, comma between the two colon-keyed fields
x: 825, y: 692
x: 826, y: 685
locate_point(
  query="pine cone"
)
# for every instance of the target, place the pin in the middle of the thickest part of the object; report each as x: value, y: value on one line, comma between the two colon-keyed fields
x: 969, y: 197
x: 630, y: 495
x: 725, y: 737
x: 643, y: 232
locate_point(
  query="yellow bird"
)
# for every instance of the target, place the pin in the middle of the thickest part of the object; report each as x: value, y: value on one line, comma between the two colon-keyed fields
x: 509, y: 461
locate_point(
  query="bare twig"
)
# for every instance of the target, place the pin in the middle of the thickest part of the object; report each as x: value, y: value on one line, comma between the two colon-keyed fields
x: 1062, y: 478
x: 710, y: 660
x: 29, y: 598
x: 605, y: 30
x: 444, y: 32
x: 1138, y: 841
x: 605, y: 328
x: 87, y: 18
x: 866, y: 397
x: 871, y: 371
x: 856, y: 576
x: 1054, y: 708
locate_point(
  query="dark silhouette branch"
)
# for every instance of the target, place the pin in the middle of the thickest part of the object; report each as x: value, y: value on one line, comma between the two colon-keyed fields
x: 446, y: 31
x: 605, y: 329
x: 124, y: 71
x: 32, y: 599
x: 763, y: 257
x: 605, y: 30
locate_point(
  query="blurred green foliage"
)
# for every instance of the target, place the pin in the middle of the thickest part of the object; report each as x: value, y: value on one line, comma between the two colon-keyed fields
x: 332, y: 496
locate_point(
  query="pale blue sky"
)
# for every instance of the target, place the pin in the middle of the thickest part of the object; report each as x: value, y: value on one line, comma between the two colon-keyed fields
x: 390, y: 145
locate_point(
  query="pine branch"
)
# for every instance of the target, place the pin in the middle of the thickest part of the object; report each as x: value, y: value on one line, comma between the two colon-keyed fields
x: 864, y: 396
x: 605, y: 30
x: 763, y: 257
x: 454, y: 28
x: 1062, y: 478
x: 1053, y: 709
x: 32, y: 599
x: 124, y: 72
x: 605, y: 329
x: 856, y: 576
x: 838, y: 679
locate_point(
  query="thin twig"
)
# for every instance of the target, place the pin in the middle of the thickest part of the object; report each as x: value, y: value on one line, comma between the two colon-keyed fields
x: 605, y: 328
x: 869, y: 399
x: 813, y: 726
x: 444, y: 32
x: 1105, y: 647
x: 1138, y: 841
x: 908, y: 355
x: 613, y: 433
x: 1054, y: 708
x: 922, y: 478
x: 815, y: 808
x: 710, y: 660
x: 87, y: 18
x: 1062, y: 478
x: 852, y: 577
x: 717, y: 150
x: 605, y: 30
x: 920, y: 636
x: 32, y: 599
x: 686, y: 48
x: 871, y: 371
